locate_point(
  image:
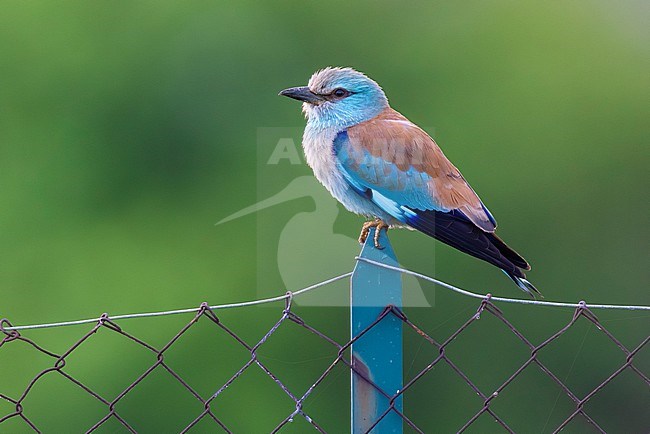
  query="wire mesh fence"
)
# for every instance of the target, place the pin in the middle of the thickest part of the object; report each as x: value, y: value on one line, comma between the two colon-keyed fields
x: 208, y: 411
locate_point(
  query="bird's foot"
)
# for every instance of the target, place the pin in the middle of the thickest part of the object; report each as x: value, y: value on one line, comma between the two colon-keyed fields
x: 378, y: 224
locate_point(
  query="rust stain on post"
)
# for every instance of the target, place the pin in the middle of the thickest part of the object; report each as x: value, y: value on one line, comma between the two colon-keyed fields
x: 365, y: 395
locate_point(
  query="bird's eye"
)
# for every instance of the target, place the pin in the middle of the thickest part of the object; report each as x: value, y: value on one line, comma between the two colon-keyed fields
x: 340, y: 93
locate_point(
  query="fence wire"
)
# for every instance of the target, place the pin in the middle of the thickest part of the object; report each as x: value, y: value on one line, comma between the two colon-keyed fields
x: 487, y: 306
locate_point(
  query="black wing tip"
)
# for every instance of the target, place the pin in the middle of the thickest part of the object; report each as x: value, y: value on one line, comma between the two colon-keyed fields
x: 457, y: 231
x: 508, y: 252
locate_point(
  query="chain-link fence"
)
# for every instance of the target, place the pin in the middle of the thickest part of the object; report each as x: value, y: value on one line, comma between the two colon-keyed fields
x: 208, y: 416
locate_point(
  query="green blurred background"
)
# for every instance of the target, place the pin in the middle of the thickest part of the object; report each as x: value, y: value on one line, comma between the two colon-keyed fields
x: 127, y: 129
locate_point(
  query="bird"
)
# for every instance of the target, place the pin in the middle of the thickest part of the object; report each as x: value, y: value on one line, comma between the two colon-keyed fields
x: 382, y: 166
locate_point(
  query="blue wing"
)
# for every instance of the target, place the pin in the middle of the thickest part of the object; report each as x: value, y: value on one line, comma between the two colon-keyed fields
x: 405, y: 196
x: 389, y: 187
x: 398, y: 192
x: 407, y: 191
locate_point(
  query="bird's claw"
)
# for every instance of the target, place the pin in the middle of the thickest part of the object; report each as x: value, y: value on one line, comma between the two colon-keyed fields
x: 365, y: 230
x: 378, y: 224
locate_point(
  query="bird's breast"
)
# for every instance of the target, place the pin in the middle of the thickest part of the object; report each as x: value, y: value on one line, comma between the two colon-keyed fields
x: 318, y: 145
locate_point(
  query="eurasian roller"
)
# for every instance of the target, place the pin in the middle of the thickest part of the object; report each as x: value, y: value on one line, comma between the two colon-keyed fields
x: 379, y: 164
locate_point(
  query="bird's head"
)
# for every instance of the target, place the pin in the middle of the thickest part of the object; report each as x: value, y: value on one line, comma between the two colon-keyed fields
x: 339, y: 97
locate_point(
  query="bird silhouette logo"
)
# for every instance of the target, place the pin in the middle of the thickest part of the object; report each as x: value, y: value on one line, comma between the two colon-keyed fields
x: 310, y: 251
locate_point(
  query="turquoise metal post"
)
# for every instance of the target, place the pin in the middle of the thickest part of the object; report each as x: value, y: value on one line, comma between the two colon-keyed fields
x: 378, y: 353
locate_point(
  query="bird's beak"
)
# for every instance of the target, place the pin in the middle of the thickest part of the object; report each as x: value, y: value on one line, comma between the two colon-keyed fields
x: 302, y: 94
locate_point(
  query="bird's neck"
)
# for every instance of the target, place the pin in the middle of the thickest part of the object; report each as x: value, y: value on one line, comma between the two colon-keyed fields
x: 330, y: 119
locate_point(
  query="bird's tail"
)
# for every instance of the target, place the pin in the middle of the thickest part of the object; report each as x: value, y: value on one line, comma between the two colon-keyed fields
x: 458, y: 232
x: 525, y: 285
x: 519, y: 278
